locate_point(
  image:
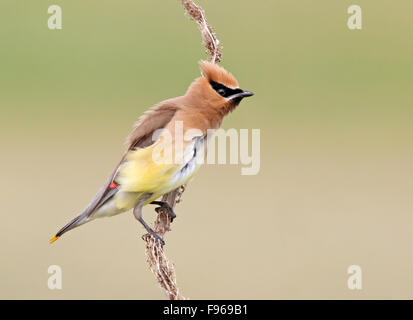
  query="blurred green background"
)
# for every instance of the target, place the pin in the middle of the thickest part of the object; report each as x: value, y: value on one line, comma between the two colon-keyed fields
x: 335, y: 111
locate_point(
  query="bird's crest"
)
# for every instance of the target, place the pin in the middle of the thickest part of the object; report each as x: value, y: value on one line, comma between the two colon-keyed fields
x: 218, y: 74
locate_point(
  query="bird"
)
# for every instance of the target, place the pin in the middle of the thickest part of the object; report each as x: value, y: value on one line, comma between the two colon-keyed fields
x: 139, y: 179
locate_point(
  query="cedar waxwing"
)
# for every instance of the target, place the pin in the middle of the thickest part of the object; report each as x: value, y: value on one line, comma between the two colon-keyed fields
x: 138, y: 180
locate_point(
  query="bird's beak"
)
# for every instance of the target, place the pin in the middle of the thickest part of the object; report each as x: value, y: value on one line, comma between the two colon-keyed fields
x: 242, y: 94
x: 246, y: 93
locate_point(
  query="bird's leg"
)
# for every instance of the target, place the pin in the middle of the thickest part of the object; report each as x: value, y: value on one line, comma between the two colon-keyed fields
x: 137, y: 211
x: 165, y: 205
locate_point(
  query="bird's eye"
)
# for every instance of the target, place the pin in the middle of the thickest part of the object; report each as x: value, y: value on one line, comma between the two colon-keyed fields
x: 221, y: 91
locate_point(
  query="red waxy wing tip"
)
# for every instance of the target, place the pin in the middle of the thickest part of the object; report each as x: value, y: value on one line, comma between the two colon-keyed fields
x: 113, y: 185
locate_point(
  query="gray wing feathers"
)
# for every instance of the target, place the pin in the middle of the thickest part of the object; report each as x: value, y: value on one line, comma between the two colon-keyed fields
x: 155, y: 118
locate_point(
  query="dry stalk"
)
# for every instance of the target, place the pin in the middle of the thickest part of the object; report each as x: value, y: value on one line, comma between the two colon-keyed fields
x: 161, y: 267
x: 209, y: 38
x: 159, y: 263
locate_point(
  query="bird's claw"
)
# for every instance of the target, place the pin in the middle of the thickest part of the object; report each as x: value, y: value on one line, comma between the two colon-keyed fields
x: 168, y: 209
x: 154, y: 236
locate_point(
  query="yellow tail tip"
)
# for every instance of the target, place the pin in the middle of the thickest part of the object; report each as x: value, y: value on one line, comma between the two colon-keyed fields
x: 53, y: 239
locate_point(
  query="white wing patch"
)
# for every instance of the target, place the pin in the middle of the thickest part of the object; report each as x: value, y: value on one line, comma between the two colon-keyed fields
x: 193, y: 158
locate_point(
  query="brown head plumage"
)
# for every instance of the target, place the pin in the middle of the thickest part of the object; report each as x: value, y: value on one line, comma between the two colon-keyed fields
x: 218, y: 74
x: 217, y: 90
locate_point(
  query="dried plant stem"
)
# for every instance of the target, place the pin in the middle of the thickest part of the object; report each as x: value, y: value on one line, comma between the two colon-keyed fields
x: 159, y: 263
x: 161, y: 267
x: 209, y: 37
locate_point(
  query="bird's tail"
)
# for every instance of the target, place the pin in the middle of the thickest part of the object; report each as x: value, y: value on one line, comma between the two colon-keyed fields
x: 104, y: 195
x: 79, y: 220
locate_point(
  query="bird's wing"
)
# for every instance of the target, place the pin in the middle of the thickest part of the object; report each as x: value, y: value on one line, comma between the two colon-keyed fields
x: 141, y: 137
x: 153, y: 119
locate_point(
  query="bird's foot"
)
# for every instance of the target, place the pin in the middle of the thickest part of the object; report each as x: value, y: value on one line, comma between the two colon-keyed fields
x: 165, y: 206
x: 155, y: 236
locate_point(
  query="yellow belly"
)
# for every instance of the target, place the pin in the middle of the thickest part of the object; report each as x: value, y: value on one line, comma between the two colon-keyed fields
x: 142, y: 174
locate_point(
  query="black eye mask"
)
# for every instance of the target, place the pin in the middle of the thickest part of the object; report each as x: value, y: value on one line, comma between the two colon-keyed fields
x: 223, y: 90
